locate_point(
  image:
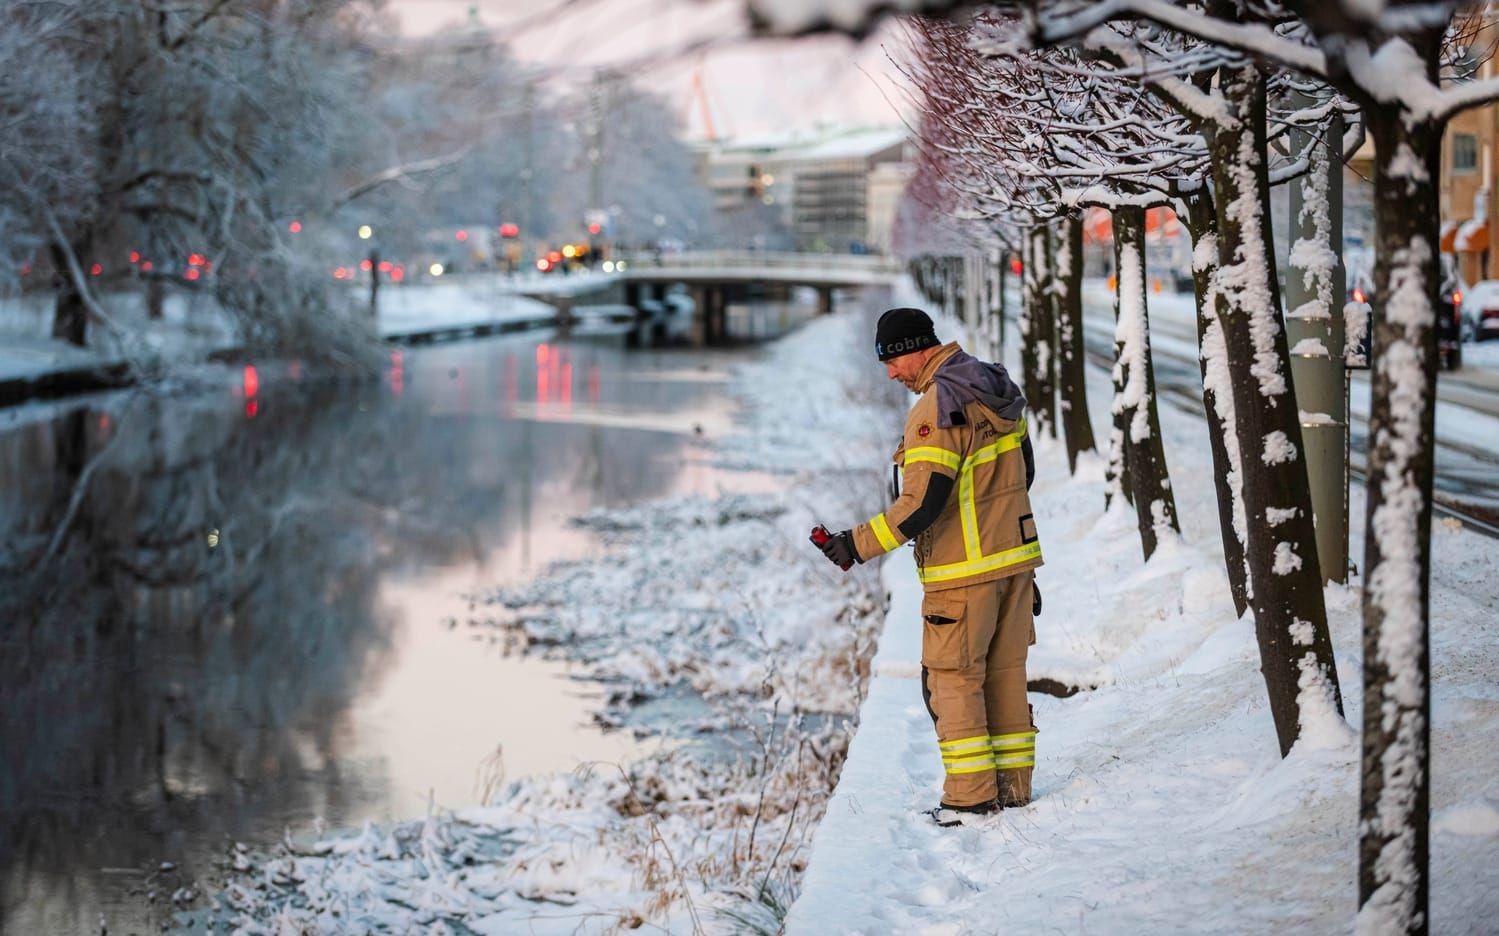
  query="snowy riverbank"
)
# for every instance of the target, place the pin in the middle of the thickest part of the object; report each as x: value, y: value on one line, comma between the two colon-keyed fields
x: 724, y: 596
x: 1162, y: 804
x: 193, y: 327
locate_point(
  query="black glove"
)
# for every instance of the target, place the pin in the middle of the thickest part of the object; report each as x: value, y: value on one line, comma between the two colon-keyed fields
x: 840, y: 549
x: 1035, y: 599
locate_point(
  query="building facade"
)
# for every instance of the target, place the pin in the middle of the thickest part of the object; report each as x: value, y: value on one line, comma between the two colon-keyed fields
x: 827, y: 191
x: 1467, y: 181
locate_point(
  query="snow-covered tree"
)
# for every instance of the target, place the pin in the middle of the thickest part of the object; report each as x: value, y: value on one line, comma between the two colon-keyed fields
x: 1217, y: 110
x: 189, y: 125
x: 1045, y: 136
x: 1224, y: 99
x: 1391, y: 59
x: 45, y: 159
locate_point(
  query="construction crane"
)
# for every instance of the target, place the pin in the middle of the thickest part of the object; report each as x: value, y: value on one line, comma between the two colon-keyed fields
x: 700, y: 96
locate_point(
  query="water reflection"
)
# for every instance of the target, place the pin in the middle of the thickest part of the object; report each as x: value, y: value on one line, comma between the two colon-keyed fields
x: 222, y: 614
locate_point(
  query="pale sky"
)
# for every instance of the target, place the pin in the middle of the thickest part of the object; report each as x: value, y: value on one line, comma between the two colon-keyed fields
x: 752, y: 88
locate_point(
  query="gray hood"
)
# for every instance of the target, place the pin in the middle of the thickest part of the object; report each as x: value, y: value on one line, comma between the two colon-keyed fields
x: 963, y: 378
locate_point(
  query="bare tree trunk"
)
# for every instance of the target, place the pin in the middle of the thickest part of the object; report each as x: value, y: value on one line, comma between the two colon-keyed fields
x: 1285, y: 584
x: 993, y: 303
x: 1116, y: 474
x: 1135, y: 406
x: 156, y: 297
x: 1071, y: 357
x: 375, y: 283
x: 1394, y: 804
x: 1003, y: 301
x: 1046, y: 335
x: 1035, y: 307
x: 1217, y: 396
x: 70, y: 313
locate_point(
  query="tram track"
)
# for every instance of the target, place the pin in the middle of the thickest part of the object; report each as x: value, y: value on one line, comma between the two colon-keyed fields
x: 1475, y: 517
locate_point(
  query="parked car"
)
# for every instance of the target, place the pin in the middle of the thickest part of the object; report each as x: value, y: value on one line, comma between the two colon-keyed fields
x: 1360, y: 290
x: 1480, y: 307
x: 1449, y: 325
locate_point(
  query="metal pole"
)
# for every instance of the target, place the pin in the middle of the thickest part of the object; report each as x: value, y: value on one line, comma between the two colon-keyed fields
x: 1314, y: 328
x: 528, y: 217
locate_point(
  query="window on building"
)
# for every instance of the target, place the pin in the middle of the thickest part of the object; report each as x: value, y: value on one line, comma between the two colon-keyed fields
x: 1464, y: 152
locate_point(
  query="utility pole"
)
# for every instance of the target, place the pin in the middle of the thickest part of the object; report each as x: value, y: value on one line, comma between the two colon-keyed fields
x: 1315, y: 332
x: 596, y: 162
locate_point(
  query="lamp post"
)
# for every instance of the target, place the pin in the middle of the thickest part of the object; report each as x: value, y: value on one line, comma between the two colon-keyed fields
x: 367, y: 233
x: 1315, y: 331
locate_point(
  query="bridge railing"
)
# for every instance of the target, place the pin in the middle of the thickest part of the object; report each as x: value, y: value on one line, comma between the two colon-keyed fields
x: 756, y: 259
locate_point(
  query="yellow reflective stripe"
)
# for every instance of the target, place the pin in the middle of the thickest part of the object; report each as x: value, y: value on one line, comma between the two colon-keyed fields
x: 1013, y: 761
x: 968, y: 510
x: 1009, y: 557
x: 971, y: 764
x: 1013, y: 440
x: 881, y: 528
x: 1015, y: 735
x: 973, y: 550
x: 1007, y: 741
x: 955, y: 756
x: 930, y: 453
x: 1005, y: 443
x: 964, y: 744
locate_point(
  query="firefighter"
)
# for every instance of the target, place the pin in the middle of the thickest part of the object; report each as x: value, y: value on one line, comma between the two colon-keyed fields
x: 963, y: 469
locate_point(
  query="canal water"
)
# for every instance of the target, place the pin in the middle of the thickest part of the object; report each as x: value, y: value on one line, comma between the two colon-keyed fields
x: 239, y: 611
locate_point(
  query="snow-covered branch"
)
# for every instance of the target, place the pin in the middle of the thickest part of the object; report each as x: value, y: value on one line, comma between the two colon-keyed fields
x: 403, y: 173
x: 1254, y: 38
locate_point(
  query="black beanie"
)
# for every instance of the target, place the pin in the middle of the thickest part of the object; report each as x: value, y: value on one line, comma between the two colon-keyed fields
x: 902, y: 331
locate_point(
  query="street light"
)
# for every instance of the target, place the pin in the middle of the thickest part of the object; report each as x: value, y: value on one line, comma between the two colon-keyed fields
x: 366, y: 232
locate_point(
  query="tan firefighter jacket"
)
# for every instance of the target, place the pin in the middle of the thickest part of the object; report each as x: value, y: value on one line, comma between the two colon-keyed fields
x: 983, y: 529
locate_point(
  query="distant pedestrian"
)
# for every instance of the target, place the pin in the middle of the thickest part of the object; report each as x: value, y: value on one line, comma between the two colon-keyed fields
x: 963, y: 471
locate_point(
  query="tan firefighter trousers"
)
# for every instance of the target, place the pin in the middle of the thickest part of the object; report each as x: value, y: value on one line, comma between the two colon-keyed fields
x: 973, y: 649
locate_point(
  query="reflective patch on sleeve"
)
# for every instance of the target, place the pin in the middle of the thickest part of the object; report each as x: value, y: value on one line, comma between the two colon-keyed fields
x: 930, y: 453
x: 881, y: 528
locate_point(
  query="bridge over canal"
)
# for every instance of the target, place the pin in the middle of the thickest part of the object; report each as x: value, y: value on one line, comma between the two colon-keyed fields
x: 714, y: 279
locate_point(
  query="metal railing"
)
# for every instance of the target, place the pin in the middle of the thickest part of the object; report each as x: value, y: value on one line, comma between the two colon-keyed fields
x: 763, y: 260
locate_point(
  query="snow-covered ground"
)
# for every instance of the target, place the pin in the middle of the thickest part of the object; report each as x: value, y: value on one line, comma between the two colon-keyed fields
x: 191, y: 327
x: 456, y: 302
x: 724, y: 597
x: 1161, y: 801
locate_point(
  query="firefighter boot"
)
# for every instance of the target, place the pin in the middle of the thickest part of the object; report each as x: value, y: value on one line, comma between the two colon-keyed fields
x: 1015, y: 787
x: 948, y: 816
